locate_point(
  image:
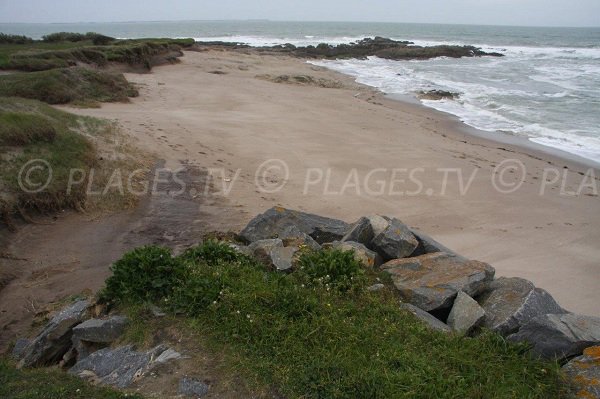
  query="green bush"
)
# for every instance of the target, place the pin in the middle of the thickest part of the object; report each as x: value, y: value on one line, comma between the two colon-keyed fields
x: 14, y: 39
x: 212, y: 253
x: 147, y: 274
x: 331, y: 268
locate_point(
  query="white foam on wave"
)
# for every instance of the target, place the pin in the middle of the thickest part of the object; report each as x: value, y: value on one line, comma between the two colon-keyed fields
x: 507, y: 102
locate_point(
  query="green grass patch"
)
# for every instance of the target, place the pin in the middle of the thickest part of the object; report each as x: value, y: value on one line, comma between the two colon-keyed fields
x: 318, y: 333
x: 93, y: 50
x: 68, y: 85
x: 18, y: 129
x: 50, y: 384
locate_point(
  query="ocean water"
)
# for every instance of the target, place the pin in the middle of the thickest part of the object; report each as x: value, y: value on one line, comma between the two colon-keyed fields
x: 546, y: 88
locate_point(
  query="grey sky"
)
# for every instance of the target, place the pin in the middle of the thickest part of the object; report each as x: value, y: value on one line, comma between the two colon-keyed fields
x: 495, y: 12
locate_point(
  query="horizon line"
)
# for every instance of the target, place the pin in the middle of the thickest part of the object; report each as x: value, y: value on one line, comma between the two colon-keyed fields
x: 297, y: 21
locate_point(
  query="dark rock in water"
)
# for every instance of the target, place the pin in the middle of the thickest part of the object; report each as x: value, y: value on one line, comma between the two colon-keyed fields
x: 432, y: 281
x: 466, y: 314
x: 19, y: 348
x: 428, y: 245
x: 293, y: 237
x: 362, y: 254
x: 395, y: 242
x: 559, y: 336
x: 192, y: 387
x: 361, y: 232
x: 274, y: 221
x: 55, y: 339
x: 511, y: 302
x: 379, y: 47
x: 283, y: 258
x: 584, y: 373
x: 427, y: 318
x: 94, y: 334
x: 122, y: 366
x: 437, y: 95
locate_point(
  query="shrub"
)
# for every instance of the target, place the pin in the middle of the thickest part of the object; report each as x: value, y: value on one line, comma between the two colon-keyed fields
x: 14, y: 39
x: 212, y: 253
x: 147, y: 274
x: 331, y: 268
x: 64, y: 37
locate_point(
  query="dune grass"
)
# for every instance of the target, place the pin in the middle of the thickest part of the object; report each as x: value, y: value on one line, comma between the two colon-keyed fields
x: 49, y: 384
x: 77, y: 85
x: 309, y: 335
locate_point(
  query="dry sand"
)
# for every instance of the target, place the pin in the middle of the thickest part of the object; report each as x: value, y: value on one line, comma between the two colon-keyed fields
x: 234, y: 121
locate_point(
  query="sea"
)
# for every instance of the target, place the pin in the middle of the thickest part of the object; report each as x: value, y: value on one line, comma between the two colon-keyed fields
x: 546, y: 88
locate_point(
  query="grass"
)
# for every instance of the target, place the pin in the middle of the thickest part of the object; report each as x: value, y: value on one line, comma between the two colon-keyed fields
x: 45, y: 55
x: 31, y: 130
x: 68, y: 85
x: 49, y: 384
x: 309, y: 335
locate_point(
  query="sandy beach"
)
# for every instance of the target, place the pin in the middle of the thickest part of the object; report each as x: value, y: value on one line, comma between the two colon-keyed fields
x: 318, y: 142
x: 350, y: 151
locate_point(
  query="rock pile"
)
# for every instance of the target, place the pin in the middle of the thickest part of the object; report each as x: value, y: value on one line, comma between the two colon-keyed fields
x: 448, y: 292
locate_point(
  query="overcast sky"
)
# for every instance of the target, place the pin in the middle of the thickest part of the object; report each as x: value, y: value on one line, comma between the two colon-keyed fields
x: 495, y: 12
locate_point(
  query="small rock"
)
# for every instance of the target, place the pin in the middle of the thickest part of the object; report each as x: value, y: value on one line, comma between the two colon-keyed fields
x: 361, y: 232
x: 378, y: 224
x: 511, y: 302
x: 55, y: 339
x: 156, y: 311
x: 261, y: 249
x: 559, y: 336
x: 283, y: 258
x: 375, y: 287
x: 584, y: 373
x: 362, y: 254
x: 466, y: 314
x: 293, y: 237
x: 395, y: 242
x: 120, y: 367
x: 101, y: 331
x: 243, y: 249
x: 168, y: 355
x: 192, y: 387
x: 275, y: 220
x: 432, y: 281
x: 19, y: 348
x: 431, y: 321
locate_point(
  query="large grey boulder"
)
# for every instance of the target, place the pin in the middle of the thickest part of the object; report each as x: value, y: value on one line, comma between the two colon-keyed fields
x: 432, y: 281
x: 94, y: 334
x: 431, y: 321
x: 466, y: 314
x: 511, y: 302
x: 378, y: 224
x: 395, y: 242
x: 119, y: 367
x: 293, y: 237
x: 362, y: 254
x: 584, y: 373
x: 55, y: 339
x: 275, y: 220
x: 283, y: 258
x: 559, y: 336
x: 192, y: 387
x: 361, y: 232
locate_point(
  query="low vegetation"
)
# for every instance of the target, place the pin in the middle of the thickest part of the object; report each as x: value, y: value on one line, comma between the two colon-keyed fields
x: 317, y: 332
x: 95, y: 38
x: 31, y: 130
x: 77, y: 85
x: 14, y: 39
x: 49, y: 384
